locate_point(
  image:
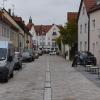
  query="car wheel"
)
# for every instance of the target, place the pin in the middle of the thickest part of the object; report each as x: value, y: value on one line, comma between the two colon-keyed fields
x: 20, y: 66
x: 84, y: 62
x: 5, y: 79
x: 12, y: 75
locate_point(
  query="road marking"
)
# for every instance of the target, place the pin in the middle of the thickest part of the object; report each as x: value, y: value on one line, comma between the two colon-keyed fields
x: 47, y: 94
x: 47, y: 90
x: 48, y: 67
x: 48, y: 77
x: 47, y: 85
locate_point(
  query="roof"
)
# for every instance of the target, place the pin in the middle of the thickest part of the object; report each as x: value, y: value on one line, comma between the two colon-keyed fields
x: 72, y: 16
x: 17, y: 18
x: 42, y: 29
x: 29, y: 25
x: 94, y: 9
x: 88, y: 4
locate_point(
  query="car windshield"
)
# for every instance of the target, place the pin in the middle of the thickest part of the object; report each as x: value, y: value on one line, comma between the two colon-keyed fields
x: 83, y: 54
x: 3, y: 53
x: 89, y: 54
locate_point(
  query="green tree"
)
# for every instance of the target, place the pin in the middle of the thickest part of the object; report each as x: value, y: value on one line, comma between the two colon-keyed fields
x: 69, y: 33
x: 69, y: 36
x: 58, y: 41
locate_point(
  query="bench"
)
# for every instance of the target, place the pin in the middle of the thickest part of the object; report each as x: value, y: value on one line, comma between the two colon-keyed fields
x: 87, y: 67
x: 94, y: 69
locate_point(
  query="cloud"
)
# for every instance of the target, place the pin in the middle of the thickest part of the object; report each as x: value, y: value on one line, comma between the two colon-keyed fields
x: 44, y: 11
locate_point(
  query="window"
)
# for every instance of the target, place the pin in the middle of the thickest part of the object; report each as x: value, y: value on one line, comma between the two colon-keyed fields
x: 93, y: 48
x: 85, y: 30
x: 48, y: 38
x: 43, y: 43
x: 85, y: 45
x: 8, y: 33
x: 83, y: 10
x: 80, y: 29
x: 3, y: 53
x: 40, y: 43
x: 2, y: 31
x: 80, y: 45
x: 93, y: 21
x: 49, y: 43
x: 54, y: 33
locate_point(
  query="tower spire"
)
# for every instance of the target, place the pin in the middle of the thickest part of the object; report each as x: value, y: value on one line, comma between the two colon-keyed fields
x: 30, y: 19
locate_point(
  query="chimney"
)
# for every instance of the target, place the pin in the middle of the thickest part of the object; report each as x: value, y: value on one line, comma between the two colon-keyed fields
x: 9, y: 11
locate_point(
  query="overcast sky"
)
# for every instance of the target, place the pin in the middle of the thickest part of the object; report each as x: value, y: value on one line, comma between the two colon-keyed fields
x: 43, y: 11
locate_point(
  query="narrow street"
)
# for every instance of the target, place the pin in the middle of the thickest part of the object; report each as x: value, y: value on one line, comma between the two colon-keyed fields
x: 49, y: 78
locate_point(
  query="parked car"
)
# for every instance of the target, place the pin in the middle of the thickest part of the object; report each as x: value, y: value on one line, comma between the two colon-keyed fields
x: 18, y: 61
x: 6, y: 60
x: 40, y: 52
x: 85, y: 57
x: 36, y: 55
x: 52, y: 53
x: 28, y: 55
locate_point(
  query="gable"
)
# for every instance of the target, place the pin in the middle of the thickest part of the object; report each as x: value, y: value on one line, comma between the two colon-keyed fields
x: 88, y: 5
x: 54, y: 31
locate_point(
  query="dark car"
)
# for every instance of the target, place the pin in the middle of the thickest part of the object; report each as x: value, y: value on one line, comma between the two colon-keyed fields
x: 28, y: 55
x: 18, y: 61
x: 85, y: 57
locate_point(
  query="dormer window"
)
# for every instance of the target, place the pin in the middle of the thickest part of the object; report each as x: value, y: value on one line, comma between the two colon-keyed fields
x: 54, y: 33
x: 83, y: 10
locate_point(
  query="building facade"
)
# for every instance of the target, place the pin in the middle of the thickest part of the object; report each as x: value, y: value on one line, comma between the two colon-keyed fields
x: 95, y: 32
x: 46, y: 37
x: 83, y: 24
x: 9, y: 29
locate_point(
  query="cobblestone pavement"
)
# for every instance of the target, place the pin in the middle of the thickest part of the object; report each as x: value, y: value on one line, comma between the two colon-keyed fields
x: 27, y: 84
x: 49, y: 78
x: 69, y: 84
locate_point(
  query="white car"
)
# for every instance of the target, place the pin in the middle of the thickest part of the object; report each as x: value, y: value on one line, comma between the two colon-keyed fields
x: 52, y: 53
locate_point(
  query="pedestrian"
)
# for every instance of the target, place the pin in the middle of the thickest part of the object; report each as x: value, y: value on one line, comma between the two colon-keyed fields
x: 74, y: 64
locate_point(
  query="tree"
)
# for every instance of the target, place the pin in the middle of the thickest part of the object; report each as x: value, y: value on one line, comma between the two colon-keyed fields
x: 58, y: 41
x: 69, y: 33
x: 69, y: 36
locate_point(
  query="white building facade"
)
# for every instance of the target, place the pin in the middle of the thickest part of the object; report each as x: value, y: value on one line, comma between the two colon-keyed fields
x: 83, y: 22
x: 95, y: 34
x: 47, y: 41
x: 51, y: 37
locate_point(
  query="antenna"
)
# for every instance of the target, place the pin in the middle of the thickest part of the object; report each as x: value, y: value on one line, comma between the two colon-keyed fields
x: 4, y: 3
x: 13, y: 9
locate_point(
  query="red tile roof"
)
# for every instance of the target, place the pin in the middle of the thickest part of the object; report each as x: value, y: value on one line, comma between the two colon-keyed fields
x: 42, y: 29
x: 94, y: 9
x: 89, y: 4
x: 18, y: 18
x: 29, y: 26
x: 72, y: 16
